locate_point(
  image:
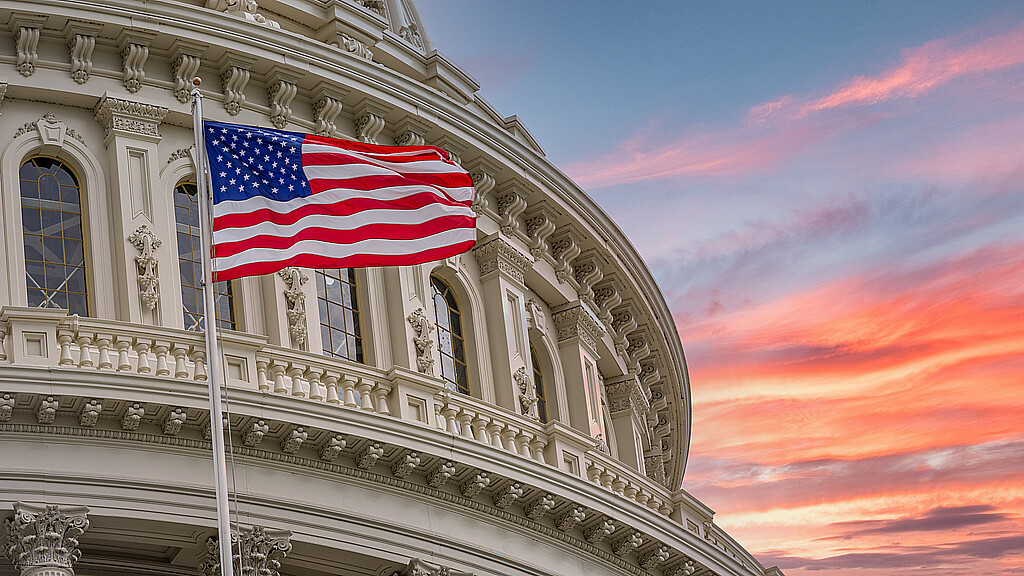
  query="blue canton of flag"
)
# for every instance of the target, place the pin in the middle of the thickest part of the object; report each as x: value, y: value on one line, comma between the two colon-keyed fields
x: 246, y: 161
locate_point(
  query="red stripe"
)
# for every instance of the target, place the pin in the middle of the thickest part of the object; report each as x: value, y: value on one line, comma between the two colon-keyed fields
x: 354, y: 261
x: 345, y: 208
x: 334, y: 236
x: 375, y: 182
x: 365, y: 148
x: 324, y: 158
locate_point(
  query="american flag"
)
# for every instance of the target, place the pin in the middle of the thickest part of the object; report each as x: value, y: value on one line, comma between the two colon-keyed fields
x: 289, y: 199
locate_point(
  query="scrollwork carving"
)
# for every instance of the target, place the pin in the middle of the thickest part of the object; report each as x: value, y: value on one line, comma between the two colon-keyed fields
x: 26, y: 41
x: 247, y: 9
x: 45, y: 536
x: 146, y: 265
x: 281, y: 94
x: 296, y: 298
x: 423, y: 330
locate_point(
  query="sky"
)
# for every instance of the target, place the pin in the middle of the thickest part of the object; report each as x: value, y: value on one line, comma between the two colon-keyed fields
x: 831, y: 198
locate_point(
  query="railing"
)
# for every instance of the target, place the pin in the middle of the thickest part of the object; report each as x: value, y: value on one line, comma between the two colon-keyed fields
x: 153, y: 351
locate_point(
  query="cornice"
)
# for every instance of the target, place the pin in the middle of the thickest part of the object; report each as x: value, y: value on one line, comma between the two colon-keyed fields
x: 495, y: 255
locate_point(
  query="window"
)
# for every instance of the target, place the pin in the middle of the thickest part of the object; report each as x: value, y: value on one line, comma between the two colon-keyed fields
x: 339, y: 313
x: 51, y: 213
x: 190, y: 263
x: 538, y: 384
x: 450, y: 339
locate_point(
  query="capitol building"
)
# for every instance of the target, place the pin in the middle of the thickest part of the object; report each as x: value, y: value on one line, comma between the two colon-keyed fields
x: 520, y: 409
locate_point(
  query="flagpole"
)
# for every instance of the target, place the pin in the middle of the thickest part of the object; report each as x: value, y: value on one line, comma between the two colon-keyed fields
x: 212, y: 347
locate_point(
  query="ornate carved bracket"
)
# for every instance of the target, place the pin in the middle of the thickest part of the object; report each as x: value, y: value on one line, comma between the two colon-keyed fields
x: 134, y: 46
x: 423, y: 330
x: 576, y: 321
x: 540, y: 224
x: 26, y: 42
x: 234, y: 78
x: 510, y: 205
x: 296, y: 298
x: 186, y: 56
x: 146, y: 262
x: 410, y: 131
x: 281, y: 90
x: 129, y: 118
x: 45, y: 536
x: 497, y: 255
x: 369, y: 122
x: 564, y: 249
x: 81, y: 38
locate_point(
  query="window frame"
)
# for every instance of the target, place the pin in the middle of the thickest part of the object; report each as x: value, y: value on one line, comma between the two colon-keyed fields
x: 324, y: 322
x: 456, y: 386
x: 221, y: 289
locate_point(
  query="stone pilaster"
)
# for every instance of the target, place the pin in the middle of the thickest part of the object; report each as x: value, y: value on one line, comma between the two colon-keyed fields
x: 132, y: 133
x: 502, y: 276
x: 43, y: 540
x: 579, y: 333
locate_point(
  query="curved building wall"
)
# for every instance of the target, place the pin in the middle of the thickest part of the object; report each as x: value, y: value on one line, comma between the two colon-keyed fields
x: 375, y: 453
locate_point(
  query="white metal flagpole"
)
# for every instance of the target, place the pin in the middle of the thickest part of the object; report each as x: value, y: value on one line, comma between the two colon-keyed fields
x: 212, y: 346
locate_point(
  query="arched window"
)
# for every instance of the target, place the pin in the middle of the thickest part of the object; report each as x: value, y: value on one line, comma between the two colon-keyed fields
x: 51, y: 213
x: 190, y: 263
x: 451, y: 341
x: 337, y: 297
x: 538, y: 384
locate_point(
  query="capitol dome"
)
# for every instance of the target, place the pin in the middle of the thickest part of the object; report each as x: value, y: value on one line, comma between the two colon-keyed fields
x: 522, y: 408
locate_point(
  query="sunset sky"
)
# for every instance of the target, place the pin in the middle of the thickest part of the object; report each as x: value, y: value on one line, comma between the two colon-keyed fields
x: 831, y: 197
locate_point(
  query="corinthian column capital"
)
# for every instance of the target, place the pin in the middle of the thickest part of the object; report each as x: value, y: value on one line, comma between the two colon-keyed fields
x: 43, y: 540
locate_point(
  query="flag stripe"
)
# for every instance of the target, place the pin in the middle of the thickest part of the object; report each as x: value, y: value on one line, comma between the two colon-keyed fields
x: 389, y: 230
x: 397, y: 252
x: 288, y: 199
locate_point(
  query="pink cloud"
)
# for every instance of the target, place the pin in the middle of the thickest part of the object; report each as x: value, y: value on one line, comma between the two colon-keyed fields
x: 924, y: 68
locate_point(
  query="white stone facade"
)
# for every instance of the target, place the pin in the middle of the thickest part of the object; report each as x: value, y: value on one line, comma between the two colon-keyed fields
x: 340, y: 467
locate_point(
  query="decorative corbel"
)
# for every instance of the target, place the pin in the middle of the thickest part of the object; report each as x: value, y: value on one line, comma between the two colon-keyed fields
x: 483, y: 174
x: 146, y: 242
x: 234, y: 76
x: 134, y: 45
x: 186, y: 56
x: 26, y: 41
x: 282, y: 86
x: 369, y: 121
x: 422, y: 329
x: 410, y: 131
x: 81, y: 37
x: 510, y: 205
x: 606, y: 298
x: 588, y: 270
x: 565, y: 249
x: 326, y: 107
x: 293, y: 280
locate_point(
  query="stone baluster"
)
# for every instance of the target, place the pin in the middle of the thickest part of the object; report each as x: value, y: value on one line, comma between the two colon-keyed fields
x: 331, y: 383
x: 123, y: 361
x: 364, y: 386
x: 84, y: 352
x: 448, y: 413
x: 199, y: 365
x: 380, y: 398
x: 142, y: 354
x: 508, y: 439
x: 64, y: 340
x: 280, y: 386
x: 180, y: 369
x: 480, y: 426
x: 103, y: 345
x: 537, y: 449
x: 494, y: 428
x: 348, y: 384
x: 317, y: 390
x: 299, y: 386
x: 523, y: 443
x: 466, y: 424
x: 161, y: 351
x: 261, y: 376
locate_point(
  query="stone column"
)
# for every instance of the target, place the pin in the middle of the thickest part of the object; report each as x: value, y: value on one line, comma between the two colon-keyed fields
x: 43, y: 540
x: 132, y: 135
x: 502, y: 271
x: 261, y: 554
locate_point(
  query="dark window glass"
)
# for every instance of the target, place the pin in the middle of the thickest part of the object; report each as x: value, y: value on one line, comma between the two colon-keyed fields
x: 337, y: 300
x: 450, y: 343
x: 538, y: 383
x: 190, y: 265
x: 51, y: 212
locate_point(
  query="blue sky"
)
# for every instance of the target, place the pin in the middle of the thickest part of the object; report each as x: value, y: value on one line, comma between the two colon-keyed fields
x: 831, y: 197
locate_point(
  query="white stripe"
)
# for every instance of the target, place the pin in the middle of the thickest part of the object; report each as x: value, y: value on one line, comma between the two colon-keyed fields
x: 459, y: 194
x: 341, y: 223
x: 372, y: 246
x: 333, y: 196
x: 432, y: 166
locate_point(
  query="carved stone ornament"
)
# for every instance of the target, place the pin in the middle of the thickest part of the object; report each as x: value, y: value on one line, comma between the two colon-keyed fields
x: 497, y: 255
x: 146, y: 262
x: 7, y: 403
x: 129, y: 118
x: 355, y: 47
x: 234, y: 79
x: 625, y: 394
x: 81, y: 48
x: 510, y: 205
x: 45, y: 537
x: 133, y: 59
x: 483, y: 183
x: 540, y: 224
x: 368, y: 127
x: 247, y: 9
x: 418, y: 567
x: 535, y: 315
x: 258, y: 552
x: 296, y: 297
x: 325, y: 110
x: 423, y: 330
x: 564, y: 250
x: 281, y: 94
x: 577, y: 322
x: 527, y: 393
x: 411, y: 34
x: 184, y: 69
x: 375, y: 6
x: 3, y: 89
x: 26, y: 41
